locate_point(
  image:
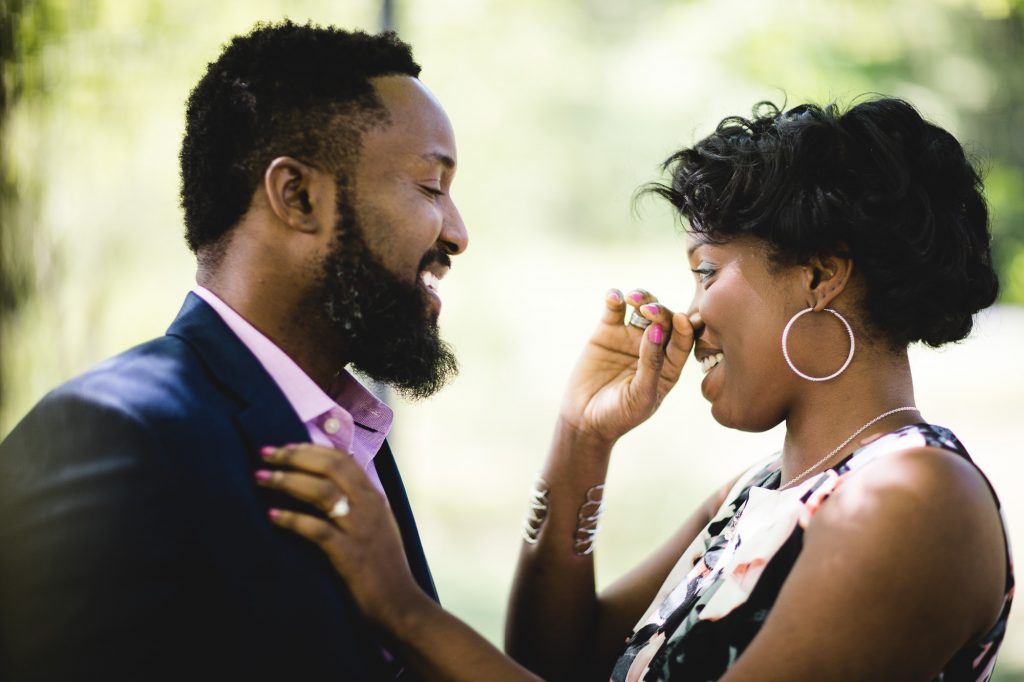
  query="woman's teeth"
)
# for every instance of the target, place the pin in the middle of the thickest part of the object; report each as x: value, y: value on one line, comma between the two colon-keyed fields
x: 430, y: 280
x: 710, y: 361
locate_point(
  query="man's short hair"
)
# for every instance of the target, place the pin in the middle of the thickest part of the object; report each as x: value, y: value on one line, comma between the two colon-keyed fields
x: 280, y: 90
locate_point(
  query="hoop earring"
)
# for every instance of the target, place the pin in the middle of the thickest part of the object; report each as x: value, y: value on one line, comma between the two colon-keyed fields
x: 785, y: 351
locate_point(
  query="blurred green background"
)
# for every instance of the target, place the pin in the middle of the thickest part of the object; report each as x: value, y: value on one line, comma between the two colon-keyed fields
x: 561, y: 110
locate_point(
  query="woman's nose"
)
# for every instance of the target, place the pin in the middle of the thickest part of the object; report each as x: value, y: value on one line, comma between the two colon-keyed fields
x: 697, y: 321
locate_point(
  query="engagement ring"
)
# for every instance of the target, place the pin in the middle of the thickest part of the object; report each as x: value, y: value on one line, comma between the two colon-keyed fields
x: 340, y: 508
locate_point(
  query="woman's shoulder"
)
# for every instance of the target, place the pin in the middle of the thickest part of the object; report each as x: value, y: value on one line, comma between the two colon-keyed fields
x: 908, y: 437
x: 917, y: 490
x: 924, y: 461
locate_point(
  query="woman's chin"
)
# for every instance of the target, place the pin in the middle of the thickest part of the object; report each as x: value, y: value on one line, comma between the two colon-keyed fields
x: 710, y: 384
x: 741, y: 419
x: 722, y: 415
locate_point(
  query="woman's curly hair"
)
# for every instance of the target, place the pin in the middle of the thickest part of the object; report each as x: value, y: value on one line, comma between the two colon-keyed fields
x: 877, y: 183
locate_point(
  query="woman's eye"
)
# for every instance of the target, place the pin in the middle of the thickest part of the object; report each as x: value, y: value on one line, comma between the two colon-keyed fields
x: 432, y: 191
x: 703, y: 274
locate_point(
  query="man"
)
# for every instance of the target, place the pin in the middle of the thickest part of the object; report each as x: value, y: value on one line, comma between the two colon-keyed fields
x: 316, y: 171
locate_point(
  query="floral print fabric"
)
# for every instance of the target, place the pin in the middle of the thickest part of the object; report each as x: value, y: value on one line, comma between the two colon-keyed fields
x: 724, y: 585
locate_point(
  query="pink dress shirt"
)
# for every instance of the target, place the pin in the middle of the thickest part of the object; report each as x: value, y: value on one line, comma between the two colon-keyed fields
x: 353, y: 421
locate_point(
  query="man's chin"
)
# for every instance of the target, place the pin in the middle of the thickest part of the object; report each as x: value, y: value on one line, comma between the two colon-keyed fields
x: 412, y: 380
x: 415, y: 389
x: 433, y: 306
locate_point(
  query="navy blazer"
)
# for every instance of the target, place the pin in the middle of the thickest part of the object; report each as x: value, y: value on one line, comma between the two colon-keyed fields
x: 134, y: 544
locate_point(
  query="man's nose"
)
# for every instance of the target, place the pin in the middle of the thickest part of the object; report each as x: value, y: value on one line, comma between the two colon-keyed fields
x: 453, y: 235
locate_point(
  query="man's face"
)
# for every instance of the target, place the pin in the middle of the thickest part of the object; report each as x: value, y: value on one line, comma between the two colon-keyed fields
x: 403, y: 180
x: 396, y: 230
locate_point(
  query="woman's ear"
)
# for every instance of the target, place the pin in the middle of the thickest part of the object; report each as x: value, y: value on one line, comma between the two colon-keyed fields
x: 824, y: 278
x: 291, y: 187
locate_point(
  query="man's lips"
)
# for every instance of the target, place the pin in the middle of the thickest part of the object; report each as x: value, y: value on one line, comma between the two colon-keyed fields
x: 432, y: 270
x: 437, y: 262
x: 431, y: 279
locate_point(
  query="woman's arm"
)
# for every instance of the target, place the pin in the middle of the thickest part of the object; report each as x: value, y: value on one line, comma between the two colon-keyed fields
x: 557, y: 626
x: 537, y: 631
x: 902, y: 566
x: 365, y: 547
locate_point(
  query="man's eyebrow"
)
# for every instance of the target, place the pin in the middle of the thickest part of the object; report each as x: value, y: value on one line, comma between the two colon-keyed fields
x: 443, y: 159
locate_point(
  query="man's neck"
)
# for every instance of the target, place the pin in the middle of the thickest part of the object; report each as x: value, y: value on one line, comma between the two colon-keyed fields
x: 280, y: 320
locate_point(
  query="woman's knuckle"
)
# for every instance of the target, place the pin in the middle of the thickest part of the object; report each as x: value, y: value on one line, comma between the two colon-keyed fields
x: 335, y: 467
x: 321, y: 533
x: 326, y: 492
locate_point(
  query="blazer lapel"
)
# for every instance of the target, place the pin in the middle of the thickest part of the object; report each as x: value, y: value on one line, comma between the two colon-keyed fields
x: 264, y: 414
x: 387, y: 470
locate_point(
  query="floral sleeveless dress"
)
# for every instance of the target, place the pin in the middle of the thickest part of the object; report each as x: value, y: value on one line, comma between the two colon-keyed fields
x: 724, y: 585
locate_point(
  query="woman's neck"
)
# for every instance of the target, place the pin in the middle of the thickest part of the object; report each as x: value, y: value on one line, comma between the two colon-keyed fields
x: 828, y: 413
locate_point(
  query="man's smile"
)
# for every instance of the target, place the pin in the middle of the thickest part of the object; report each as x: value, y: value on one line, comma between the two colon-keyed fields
x: 431, y: 275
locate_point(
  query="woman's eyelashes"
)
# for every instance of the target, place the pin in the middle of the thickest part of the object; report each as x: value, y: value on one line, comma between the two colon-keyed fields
x: 434, y: 192
x: 704, y: 273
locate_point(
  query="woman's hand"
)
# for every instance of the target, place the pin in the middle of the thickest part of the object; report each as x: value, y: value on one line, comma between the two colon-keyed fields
x: 363, y: 543
x: 625, y: 372
x: 361, y: 538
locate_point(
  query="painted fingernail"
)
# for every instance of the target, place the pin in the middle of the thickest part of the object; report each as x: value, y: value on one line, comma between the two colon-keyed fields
x: 656, y: 334
x: 267, y: 451
x: 263, y: 475
x: 636, y: 297
x: 614, y: 295
x: 274, y: 514
x: 650, y: 308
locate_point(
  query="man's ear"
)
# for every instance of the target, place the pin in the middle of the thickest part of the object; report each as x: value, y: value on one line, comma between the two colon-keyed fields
x: 293, y: 192
x: 824, y: 278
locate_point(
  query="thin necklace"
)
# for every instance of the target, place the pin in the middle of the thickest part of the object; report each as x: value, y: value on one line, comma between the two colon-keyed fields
x: 846, y: 442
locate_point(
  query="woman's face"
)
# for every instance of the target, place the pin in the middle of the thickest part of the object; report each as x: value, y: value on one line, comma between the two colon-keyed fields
x: 744, y: 303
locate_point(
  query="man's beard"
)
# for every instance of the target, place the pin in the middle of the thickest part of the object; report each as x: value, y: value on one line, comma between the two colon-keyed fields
x: 384, y: 325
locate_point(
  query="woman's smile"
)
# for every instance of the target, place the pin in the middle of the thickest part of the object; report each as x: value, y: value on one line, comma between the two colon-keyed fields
x: 709, y: 362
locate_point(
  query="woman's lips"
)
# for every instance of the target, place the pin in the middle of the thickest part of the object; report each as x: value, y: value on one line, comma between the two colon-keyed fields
x: 710, y: 362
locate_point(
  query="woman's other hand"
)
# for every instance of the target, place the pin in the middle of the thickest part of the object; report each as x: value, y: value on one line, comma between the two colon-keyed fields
x: 361, y: 537
x: 625, y: 372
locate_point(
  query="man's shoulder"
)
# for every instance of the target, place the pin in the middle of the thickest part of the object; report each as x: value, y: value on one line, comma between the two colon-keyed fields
x: 153, y: 373
x: 161, y: 380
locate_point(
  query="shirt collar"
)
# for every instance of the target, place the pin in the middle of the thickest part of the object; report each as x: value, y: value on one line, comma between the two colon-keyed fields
x: 307, y: 399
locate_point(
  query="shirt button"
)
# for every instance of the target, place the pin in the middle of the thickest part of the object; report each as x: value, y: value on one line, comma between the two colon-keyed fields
x: 332, y: 425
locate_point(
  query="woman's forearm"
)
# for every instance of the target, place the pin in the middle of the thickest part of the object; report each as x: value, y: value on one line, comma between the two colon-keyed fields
x: 553, y: 608
x: 439, y: 646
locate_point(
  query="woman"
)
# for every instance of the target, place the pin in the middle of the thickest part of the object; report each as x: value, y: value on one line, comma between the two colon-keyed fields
x: 823, y: 244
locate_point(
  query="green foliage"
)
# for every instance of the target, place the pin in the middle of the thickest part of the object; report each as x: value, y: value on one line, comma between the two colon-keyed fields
x: 18, y: 46
x: 1004, y: 185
